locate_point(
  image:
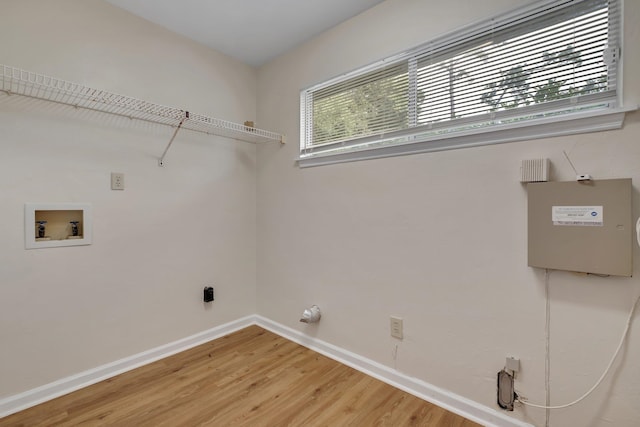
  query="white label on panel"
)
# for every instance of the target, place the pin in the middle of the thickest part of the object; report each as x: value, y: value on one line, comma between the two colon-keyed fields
x: 577, y: 215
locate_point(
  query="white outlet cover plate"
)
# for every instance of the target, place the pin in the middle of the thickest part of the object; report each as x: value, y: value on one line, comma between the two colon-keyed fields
x: 396, y: 327
x: 117, y: 181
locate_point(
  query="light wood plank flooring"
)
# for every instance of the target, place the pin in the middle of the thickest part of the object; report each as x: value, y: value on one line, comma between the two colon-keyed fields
x: 249, y: 378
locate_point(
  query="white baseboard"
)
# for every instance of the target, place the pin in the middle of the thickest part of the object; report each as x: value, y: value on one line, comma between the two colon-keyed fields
x: 75, y: 382
x: 442, y: 398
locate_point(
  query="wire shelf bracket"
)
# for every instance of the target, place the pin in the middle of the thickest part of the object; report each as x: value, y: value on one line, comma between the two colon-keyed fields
x: 39, y: 86
x: 164, y: 153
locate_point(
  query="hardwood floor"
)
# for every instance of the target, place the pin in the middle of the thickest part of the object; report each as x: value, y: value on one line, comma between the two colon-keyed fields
x: 249, y: 378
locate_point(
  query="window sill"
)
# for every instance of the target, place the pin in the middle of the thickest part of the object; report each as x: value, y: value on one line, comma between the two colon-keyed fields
x: 591, y: 121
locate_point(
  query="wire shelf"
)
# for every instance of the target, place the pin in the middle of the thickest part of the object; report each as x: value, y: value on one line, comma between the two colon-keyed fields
x: 39, y: 86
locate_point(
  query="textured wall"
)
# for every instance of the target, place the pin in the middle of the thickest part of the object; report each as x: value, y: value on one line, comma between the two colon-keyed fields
x: 155, y: 244
x: 415, y: 237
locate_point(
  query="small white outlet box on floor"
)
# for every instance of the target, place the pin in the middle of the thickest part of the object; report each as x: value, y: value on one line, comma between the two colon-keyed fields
x: 512, y: 364
x: 396, y: 327
x: 117, y: 181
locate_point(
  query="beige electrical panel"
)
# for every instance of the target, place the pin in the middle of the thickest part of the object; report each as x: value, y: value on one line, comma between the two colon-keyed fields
x: 581, y: 226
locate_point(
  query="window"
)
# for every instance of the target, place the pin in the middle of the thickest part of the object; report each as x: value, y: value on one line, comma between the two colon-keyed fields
x: 548, y: 69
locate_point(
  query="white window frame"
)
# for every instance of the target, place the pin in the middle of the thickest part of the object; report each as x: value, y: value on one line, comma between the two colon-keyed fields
x: 482, y: 130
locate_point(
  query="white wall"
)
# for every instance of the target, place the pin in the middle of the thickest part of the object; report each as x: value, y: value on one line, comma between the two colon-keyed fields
x: 415, y: 237
x: 156, y: 244
x: 406, y: 236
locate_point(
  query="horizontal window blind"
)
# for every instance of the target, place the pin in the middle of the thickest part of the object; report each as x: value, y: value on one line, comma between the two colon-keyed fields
x: 372, y: 103
x: 521, y: 66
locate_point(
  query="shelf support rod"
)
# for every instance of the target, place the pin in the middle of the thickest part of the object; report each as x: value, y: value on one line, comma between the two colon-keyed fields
x: 161, y: 161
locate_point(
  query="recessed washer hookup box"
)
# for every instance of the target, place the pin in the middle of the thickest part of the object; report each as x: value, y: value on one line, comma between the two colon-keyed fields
x: 581, y: 226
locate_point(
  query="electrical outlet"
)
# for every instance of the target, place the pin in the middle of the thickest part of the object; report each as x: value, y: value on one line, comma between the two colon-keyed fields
x: 117, y: 181
x: 396, y: 327
x: 208, y: 294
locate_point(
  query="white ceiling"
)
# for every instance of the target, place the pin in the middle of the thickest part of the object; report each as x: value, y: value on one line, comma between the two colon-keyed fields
x: 253, y: 31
